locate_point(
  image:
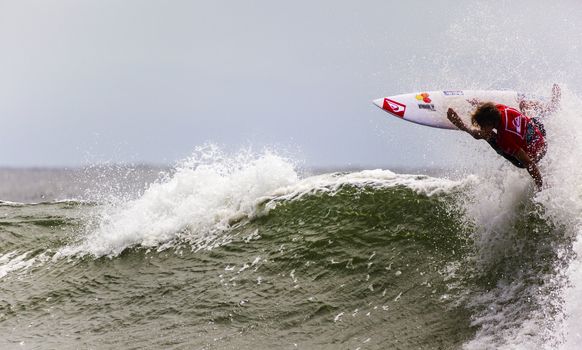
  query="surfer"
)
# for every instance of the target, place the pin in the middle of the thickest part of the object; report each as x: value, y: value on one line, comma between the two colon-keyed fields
x: 515, y: 136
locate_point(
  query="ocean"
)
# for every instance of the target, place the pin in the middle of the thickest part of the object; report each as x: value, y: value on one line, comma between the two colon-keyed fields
x: 247, y: 250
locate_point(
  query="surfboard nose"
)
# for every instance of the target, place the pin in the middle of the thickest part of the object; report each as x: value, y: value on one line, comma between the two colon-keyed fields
x: 390, y: 105
x: 379, y: 102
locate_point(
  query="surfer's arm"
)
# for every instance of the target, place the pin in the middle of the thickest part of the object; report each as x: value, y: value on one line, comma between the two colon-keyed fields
x: 531, y: 167
x: 456, y: 120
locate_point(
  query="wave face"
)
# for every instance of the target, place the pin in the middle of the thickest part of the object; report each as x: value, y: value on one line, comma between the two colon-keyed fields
x: 244, y: 252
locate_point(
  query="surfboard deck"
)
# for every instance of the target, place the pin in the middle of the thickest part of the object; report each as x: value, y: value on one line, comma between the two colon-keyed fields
x: 430, y: 108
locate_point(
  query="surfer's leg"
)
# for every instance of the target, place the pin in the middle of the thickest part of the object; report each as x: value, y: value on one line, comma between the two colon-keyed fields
x: 532, y: 108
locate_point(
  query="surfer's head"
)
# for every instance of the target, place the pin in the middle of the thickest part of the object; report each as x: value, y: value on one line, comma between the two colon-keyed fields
x: 487, y: 116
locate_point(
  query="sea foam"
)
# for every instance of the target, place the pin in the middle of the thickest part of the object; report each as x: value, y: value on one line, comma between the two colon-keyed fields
x: 206, y: 193
x: 499, y: 202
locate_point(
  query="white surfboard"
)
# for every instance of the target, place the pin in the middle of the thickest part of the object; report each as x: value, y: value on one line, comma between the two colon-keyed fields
x: 430, y: 108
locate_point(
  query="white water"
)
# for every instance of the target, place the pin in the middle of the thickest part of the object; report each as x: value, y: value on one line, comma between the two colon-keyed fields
x: 507, y: 320
x: 202, y: 198
x: 14, y: 261
x: 563, y: 200
x: 523, y: 47
x: 573, y: 301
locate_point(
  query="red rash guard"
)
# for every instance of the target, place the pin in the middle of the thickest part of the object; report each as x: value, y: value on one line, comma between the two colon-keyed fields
x: 516, y: 132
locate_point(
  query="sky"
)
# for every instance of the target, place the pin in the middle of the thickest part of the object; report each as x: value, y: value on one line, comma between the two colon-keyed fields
x: 147, y: 81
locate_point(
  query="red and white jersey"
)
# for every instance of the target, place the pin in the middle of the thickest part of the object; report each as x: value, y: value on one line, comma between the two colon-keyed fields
x: 517, y: 131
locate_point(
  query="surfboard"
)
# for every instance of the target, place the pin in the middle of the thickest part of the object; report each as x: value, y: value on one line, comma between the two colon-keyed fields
x: 430, y: 108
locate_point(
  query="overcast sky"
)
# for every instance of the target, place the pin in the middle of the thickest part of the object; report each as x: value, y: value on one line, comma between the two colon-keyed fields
x: 148, y: 81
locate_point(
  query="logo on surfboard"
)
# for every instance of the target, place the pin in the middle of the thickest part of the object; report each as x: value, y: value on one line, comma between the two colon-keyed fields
x: 453, y: 93
x: 394, y: 107
x: 427, y: 106
x: 424, y: 97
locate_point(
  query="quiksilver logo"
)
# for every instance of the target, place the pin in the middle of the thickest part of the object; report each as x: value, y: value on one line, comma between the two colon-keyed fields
x: 517, y: 124
x: 395, y: 107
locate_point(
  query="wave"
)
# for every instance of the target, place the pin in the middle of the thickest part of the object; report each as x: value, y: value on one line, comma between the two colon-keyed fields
x: 496, y: 246
x: 507, y: 254
x: 210, y: 192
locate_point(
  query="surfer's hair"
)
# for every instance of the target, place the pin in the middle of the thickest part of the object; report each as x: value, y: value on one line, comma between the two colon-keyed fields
x: 486, y: 115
